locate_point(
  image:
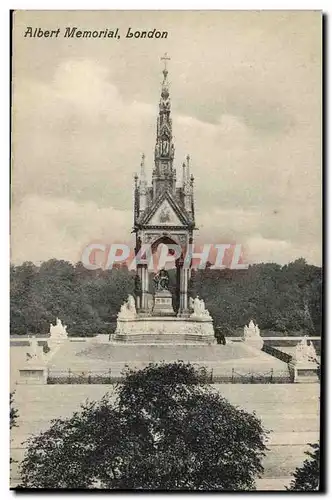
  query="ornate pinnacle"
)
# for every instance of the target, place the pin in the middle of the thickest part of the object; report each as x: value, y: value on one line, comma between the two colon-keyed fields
x: 142, y: 174
x: 192, y: 178
x: 183, y: 173
x: 188, y: 167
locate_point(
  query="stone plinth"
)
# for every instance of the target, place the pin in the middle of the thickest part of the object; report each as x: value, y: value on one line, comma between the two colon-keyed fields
x: 33, y: 374
x: 256, y: 342
x: 33, y: 371
x: 303, y: 371
x: 55, y: 343
x: 163, y: 304
x: 174, y: 330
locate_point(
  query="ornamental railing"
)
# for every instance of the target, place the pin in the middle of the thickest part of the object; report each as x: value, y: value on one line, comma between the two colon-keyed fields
x: 70, y: 376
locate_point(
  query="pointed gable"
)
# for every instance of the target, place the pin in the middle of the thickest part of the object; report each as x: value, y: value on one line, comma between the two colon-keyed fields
x: 166, y: 212
x: 165, y: 215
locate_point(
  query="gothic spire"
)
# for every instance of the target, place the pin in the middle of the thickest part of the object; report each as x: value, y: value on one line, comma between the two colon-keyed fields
x: 163, y: 174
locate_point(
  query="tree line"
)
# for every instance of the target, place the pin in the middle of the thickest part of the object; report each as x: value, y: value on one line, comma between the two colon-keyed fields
x: 285, y: 299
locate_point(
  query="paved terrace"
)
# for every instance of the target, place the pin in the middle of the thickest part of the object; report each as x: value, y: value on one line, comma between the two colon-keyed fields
x: 85, y: 356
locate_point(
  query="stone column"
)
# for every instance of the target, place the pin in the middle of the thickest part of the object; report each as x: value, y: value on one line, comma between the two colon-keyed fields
x: 183, y: 275
x: 140, y: 278
x: 143, y: 274
x: 138, y: 290
x: 146, y: 289
x: 178, y: 265
x: 184, y: 291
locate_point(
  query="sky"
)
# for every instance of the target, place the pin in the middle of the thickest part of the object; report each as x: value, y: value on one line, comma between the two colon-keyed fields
x: 246, y: 105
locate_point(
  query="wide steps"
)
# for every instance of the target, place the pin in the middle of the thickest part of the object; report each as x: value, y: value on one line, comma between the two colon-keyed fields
x: 164, y: 338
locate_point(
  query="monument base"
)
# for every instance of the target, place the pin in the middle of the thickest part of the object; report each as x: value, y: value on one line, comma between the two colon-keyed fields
x: 163, y: 304
x: 165, y: 330
x: 256, y: 342
x: 33, y: 374
x: 303, y: 371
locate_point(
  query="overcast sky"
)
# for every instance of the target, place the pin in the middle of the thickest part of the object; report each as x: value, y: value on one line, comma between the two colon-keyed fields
x: 246, y: 105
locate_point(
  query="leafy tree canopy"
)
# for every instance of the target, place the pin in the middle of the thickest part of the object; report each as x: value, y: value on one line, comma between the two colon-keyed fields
x: 280, y: 298
x: 306, y: 477
x: 164, y: 428
x: 13, y: 416
x: 13, y: 412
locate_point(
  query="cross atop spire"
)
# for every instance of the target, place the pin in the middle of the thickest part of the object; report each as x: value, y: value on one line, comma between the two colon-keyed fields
x: 165, y: 58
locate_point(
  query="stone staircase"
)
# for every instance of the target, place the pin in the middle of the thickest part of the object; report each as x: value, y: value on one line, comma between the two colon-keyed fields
x: 164, y: 338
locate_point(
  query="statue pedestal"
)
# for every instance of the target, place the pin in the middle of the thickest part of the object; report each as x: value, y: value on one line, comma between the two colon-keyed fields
x: 303, y: 371
x: 303, y: 366
x: 256, y: 342
x: 163, y: 304
x: 33, y: 372
x: 54, y: 344
x: 164, y: 330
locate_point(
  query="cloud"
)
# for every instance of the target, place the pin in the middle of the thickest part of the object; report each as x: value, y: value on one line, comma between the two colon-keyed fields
x: 47, y: 227
x: 259, y: 249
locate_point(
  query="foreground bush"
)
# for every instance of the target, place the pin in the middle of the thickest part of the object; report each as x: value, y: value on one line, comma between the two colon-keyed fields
x: 306, y: 477
x: 163, y: 428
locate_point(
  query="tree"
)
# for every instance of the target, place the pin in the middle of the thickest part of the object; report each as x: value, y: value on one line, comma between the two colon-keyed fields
x: 13, y: 416
x: 164, y: 428
x: 13, y: 413
x: 280, y: 298
x: 306, y: 477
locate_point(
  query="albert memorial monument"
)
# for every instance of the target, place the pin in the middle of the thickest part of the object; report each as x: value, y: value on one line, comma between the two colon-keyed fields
x: 164, y: 213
